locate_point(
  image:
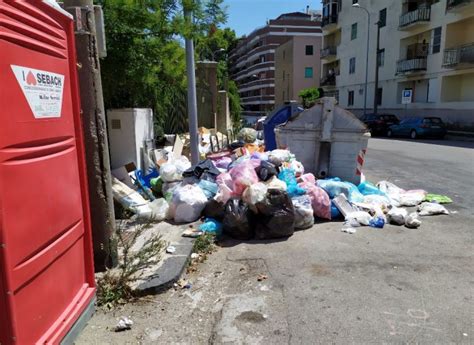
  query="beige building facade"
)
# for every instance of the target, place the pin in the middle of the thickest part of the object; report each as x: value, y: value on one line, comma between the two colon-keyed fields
x: 425, y: 46
x: 297, y: 67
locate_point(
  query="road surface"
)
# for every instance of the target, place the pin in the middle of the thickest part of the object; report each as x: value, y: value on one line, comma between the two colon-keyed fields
x: 395, y: 285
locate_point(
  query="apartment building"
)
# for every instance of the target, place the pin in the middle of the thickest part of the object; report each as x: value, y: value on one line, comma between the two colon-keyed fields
x: 297, y: 67
x: 253, y: 60
x: 425, y: 45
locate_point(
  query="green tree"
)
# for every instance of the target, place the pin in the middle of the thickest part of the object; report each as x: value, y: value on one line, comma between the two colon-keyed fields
x: 309, y: 96
x: 145, y: 64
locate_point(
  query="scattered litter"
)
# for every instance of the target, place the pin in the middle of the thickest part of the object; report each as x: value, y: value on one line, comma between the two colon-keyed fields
x: 183, y: 284
x: 412, y: 221
x: 361, y: 217
x: 211, y: 226
x: 349, y: 230
x: 195, y: 256
x: 440, y: 199
x: 171, y: 249
x: 431, y: 209
x: 264, y: 288
x: 262, y: 277
x: 123, y: 324
x: 192, y: 233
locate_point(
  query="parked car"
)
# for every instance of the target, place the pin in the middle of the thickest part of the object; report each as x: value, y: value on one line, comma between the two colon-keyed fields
x: 379, y: 124
x: 415, y: 127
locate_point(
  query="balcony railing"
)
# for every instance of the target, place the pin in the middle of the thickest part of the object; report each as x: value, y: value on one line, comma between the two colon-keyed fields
x: 329, y: 20
x: 417, y: 16
x: 328, y: 51
x: 412, y: 65
x: 454, y: 4
x: 328, y: 80
x: 459, y: 55
x: 417, y: 50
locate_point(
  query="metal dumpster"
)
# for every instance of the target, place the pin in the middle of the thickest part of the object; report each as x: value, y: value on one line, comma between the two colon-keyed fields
x: 327, y: 139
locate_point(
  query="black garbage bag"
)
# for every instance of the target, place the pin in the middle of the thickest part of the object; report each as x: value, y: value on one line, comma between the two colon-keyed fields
x: 204, y: 170
x: 276, y: 216
x: 236, y: 144
x: 266, y: 170
x: 214, y: 209
x: 238, y: 220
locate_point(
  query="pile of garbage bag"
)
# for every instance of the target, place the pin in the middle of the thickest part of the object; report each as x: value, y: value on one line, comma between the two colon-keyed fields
x: 247, y: 193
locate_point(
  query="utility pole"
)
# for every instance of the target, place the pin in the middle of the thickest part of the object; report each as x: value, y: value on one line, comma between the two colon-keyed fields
x: 192, y: 102
x: 95, y: 134
x: 376, y: 92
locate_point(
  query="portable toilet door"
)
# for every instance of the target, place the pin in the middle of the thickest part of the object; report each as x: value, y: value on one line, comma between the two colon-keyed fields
x: 46, y: 271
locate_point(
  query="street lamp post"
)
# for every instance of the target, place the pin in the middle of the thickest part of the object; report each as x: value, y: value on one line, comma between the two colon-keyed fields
x: 356, y: 5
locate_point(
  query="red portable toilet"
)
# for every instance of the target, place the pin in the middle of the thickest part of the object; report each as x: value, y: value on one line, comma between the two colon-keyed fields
x: 46, y: 269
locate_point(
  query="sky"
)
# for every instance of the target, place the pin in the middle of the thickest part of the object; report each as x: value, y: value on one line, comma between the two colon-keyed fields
x: 247, y: 15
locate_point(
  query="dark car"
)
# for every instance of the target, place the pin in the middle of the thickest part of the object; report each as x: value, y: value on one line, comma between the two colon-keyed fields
x: 379, y: 124
x: 415, y: 127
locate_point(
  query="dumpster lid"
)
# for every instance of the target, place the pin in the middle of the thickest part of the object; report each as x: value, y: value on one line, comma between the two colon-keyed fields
x: 312, y: 119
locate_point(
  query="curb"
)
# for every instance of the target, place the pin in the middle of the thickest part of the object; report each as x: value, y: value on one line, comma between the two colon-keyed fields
x: 170, y: 271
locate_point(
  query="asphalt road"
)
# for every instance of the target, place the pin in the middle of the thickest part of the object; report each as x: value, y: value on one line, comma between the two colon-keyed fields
x: 394, y: 285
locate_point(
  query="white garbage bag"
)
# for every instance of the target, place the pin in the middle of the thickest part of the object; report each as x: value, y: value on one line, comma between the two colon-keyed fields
x: 187, y: 204
x: 412, y: 220
x: 159, y: 209
x: 275, y: 183
x: 362, y: 217
x: 304, y: 214
x: 280, y: 156
x: 412, y: 198
x: 254, y: 194
x: 431, y: 209
x: 397, y: 215
x: 172, y: 170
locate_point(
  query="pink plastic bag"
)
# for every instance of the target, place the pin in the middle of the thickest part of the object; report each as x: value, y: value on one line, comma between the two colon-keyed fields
x: 225, y: 187
x: 319, y: 200
x: 243, y: 175
x: 307, y: 178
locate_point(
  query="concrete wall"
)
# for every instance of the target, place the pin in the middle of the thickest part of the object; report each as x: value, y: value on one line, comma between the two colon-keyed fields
x: 301, y: 61
x: 128, y: 130
x: 290, y: 63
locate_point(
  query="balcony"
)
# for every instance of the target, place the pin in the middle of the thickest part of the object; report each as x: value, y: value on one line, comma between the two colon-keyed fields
x: 328, y: 80
x: 329, y: 22
x: 412, y: 65
x: 458, y: 5
x: 329, y: 52
x: 414, y: 18
x: 459, y: 56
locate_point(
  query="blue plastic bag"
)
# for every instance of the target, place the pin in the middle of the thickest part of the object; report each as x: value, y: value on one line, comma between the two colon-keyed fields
x: 292, y: 188
x: 335, y: 213
x: 211, y: 226
x: 367, y: 188
x: 335, y: 187
x: 377, y: 222
x: 209, y: 188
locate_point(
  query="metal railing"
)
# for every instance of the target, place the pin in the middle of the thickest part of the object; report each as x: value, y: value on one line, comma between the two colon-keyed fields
x: 328, y: 80
x: 450, y: 4
x: 329, y: 20
x: 328, y: 51
x: 459, y: 55
x: 419, y: 15
x: 411, y: 65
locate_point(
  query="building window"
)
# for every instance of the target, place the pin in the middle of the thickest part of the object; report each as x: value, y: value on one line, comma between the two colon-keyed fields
x: 350, y: 98
x: 383, y: 17
x: 381, y: 57
x: 309, y: 50
x: 308, y: 72
x: 436, y: 40
x: 352, y: 65
x: 379, y: 96
x: 354, y: 31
